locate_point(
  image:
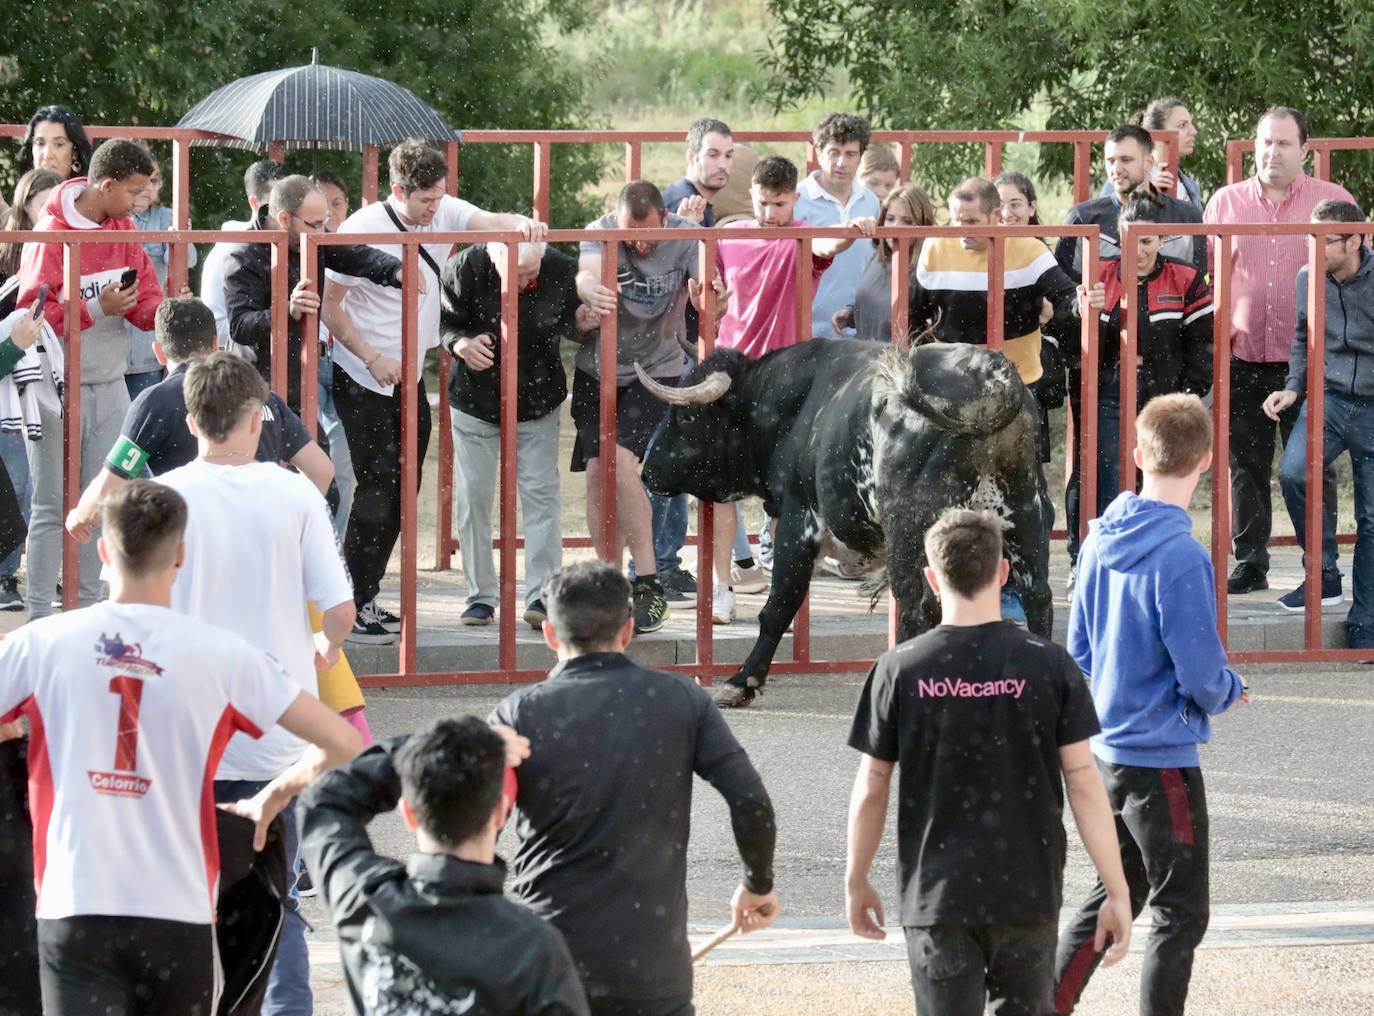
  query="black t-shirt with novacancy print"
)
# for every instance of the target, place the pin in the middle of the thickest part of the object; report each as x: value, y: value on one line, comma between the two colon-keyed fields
x: 974, y: 718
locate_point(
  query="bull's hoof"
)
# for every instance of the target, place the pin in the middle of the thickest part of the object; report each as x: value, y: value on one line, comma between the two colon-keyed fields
x: 732, y: 696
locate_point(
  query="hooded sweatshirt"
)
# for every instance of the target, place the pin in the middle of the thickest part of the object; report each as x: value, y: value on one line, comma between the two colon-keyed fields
x: 1143, y: 627
x: 104, y: 340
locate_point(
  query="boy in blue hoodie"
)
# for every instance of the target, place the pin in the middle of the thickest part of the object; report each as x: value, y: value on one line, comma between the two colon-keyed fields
x: 1143, y: 626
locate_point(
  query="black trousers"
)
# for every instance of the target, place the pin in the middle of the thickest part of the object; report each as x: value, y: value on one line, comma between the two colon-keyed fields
x: 18, y: 928
x: 1252, y: 458
x: 373, y: 425
x: 113, y: 966
x: 1161, y: 821
x: 965, y: 970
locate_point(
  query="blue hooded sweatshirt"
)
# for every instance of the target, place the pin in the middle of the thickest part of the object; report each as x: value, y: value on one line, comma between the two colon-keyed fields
x: 1143, y: 627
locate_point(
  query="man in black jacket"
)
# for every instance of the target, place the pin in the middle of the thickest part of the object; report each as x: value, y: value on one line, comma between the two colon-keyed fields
x: 1129, y: 154
x: 470, y: 328
x: 297, y: 205
x: 605, y: 802
x: 435, y: 933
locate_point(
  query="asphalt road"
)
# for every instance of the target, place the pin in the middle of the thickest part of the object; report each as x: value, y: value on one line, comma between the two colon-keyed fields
x: 1290, y: 823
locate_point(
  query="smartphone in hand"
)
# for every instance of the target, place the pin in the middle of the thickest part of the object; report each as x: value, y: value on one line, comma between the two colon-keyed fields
x: 40, y: 301
x: 129, y: 277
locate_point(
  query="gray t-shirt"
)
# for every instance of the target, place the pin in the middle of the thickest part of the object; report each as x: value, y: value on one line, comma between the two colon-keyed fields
x: 651, y: 324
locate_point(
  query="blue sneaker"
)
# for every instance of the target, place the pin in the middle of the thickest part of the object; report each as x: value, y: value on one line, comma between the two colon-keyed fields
x: 1332, y: 594
x: 1012, y: 608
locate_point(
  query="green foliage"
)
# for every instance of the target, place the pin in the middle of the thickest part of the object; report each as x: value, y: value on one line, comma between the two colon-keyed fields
x: 481, y: 65
x: 974, y: 64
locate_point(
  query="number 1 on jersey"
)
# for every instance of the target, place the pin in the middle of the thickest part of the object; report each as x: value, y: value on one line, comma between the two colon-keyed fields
x: 130, y: 692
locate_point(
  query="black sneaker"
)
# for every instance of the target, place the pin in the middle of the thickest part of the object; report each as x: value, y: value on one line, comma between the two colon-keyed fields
x: 386, y: 618
x: 679, y: 588
x: 9, y: 593
x: 1360, y: 636
x: 477, y: 615
x: 536, y: 615
x: 368, y: 630
x: 1332, y: 594
x: 1246, y: 578
x: 650, y: 605
x: 305, y: 887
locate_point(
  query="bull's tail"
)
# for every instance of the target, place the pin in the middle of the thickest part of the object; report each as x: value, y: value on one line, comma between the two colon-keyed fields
x: 873, y: 586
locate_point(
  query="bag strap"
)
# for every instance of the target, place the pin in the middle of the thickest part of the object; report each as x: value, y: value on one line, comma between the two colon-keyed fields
x: 433, y: 265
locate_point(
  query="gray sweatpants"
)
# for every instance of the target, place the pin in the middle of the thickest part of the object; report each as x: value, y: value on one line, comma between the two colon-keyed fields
x: 102, y: 416
x: 476, y: 462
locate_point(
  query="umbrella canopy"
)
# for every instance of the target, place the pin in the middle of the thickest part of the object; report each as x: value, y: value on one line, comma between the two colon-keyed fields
x: 315, y: 106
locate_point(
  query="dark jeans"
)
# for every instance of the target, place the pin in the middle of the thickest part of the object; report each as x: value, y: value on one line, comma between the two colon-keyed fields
x: 18, y: 928
x: 1108, y: 451
x: 288, y: 986
x: 373, y: 425
x: 1252, y: 459
x: 121, y: 966
x: 641, y: 1007
x: 963, y: 970
x: 1161, y: 822
x: 1349, y: 426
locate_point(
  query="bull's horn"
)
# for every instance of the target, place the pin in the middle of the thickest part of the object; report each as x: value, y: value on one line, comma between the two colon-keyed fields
x: 717, y: 383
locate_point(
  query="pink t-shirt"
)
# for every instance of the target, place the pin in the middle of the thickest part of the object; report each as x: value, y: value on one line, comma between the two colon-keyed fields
x: 1263, y: 268
x: 761, y: 276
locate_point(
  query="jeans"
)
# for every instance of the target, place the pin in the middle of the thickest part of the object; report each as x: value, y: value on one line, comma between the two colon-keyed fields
x: 964, y: 969
x: 333, y: 430
x: 373, y: 424
x: 476, y: 468
x: 670, y: 518
x: 1162, y: 829
x: 288, y: 986
x: 1349, y: 426
x: 1252, y: 458
x: 1108, y: 452
x: 16, y: 460
x: 44, y: 544
x: 741, y: 551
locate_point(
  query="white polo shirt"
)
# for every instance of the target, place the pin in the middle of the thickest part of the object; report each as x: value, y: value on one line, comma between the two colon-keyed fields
x: 376, y: 310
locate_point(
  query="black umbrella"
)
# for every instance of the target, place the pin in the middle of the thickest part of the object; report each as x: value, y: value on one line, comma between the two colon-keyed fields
x: 315, y: 106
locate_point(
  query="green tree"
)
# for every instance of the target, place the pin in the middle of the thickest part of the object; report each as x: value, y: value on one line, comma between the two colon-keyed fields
x: 970, y: 64
x: 148, y: 62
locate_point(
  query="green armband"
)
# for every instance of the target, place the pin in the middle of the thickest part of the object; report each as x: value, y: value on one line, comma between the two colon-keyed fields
x: 126, y: 458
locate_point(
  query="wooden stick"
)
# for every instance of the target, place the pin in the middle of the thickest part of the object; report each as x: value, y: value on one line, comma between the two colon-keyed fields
x: 716, y: 940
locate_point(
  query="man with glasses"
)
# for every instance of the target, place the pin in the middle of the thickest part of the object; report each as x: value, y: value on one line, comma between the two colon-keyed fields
x: 297, y: 206
x: 1263, y: 310
x: 1348, y: 414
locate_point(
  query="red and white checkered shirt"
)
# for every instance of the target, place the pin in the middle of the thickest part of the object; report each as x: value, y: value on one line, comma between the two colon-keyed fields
x: 1264, y: 269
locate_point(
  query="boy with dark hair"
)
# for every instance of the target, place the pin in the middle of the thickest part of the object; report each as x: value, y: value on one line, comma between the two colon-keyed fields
x: 452, y: 935
x: 626, y: 922
x: 1143, y: 627
x: 1347, y: 412
x: 761, y: 310
x: 155, y: 438
x: 984, y: 719
x: 831, y: 196
x: 131, y: 705
x: 101, y: 202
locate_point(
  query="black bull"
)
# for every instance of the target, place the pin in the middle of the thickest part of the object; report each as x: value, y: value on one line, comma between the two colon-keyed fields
x: 865, y: 446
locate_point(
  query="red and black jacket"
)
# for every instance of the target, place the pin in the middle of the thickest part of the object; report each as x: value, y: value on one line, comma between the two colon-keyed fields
x: 1175, y: 318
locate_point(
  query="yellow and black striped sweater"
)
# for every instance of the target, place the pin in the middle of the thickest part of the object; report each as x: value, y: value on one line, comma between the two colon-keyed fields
x: 952, y: 283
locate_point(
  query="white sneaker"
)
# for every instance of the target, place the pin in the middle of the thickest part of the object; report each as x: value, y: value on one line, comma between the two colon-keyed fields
x: 722, y: 604
x: 749, y: 580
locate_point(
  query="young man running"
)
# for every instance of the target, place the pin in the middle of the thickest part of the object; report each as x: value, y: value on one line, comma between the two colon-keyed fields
x: 130, y: 707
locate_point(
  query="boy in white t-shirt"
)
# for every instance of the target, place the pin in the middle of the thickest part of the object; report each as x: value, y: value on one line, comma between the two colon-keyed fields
x: 259, y: 544
x: 130, y: 707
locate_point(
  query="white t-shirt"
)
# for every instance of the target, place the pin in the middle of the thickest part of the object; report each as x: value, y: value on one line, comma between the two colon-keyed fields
x: 129, y: 708
x: 212, y: 272
x: 376, y: 310
x: 259, y: 543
